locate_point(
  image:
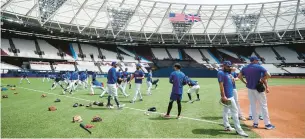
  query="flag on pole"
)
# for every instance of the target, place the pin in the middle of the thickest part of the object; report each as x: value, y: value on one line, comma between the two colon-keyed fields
x: 177, y: 17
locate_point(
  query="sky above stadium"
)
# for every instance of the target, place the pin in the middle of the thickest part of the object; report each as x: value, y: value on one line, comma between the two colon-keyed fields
x: 217, y: 1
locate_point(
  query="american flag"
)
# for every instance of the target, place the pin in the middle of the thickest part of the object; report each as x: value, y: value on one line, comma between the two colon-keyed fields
x: 177, y: 17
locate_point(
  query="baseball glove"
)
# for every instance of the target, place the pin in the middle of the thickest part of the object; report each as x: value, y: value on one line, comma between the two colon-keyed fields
x: 260, y: 87
x: 225, y: 103
x: 96, y: 119
x: 100, y: 104
x: 77, y: 118
x: 4, y: 96
x: 52, y: 108
x: 43, y: 95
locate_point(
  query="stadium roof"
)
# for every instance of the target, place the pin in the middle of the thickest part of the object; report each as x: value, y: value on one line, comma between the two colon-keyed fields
x: 152, y: 17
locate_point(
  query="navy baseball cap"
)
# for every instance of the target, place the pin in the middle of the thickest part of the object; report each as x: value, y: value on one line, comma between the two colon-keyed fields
x: 227, y: 63
x: 252, y: 58
x: 113, y: 63
x: 139, y: 65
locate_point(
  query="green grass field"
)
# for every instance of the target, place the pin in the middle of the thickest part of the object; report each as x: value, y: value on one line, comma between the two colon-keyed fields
x: 25, y: 115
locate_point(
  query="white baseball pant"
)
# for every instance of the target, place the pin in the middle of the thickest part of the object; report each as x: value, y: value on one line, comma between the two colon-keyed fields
x: 99, y: 87
x: 137, y: 91
x: 25, y: 78
x: 255, y: 96
x: 149, y: 85
x: 112, y: 90
x: 234, y: 111
x: 193, y: 89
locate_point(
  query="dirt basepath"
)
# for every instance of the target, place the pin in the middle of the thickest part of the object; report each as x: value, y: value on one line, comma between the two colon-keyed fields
x: 286, y: 110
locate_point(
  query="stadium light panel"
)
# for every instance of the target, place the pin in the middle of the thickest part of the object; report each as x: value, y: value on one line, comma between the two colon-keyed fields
x: 48, y: 7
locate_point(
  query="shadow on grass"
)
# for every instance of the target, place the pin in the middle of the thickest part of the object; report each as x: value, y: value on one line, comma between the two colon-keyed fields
x: 212, y: 117
x: 161, y: 118
x: 212, y: 132
x: 97, y: 108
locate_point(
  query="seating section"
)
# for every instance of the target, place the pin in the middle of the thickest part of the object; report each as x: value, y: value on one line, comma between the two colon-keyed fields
x: 110, y: 56
x: 90, y: 50
x: 174, y: 53
x: 208, y: 56
x: 160, y: 53
x: 5, y: 45
x: 76, y: 50
x: 295, y: 69
x: 195, y: 54
x: 105, y: 66
x: 27, y: 47
x: 128, y: 58
x: 273, y: 69
x: 50, y: 52
x: 40, y: 66
x: 267, y: 54
x: 9, y: 66
x: 290, y: 55
x: 84, y: 65
x: 64, y: 66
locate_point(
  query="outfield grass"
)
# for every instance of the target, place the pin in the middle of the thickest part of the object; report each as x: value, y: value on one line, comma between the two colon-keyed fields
x: 25, y: 114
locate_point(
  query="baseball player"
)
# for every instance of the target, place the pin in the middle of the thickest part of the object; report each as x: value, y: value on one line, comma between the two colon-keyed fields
x: 57, y: 81
x: 46, y: 76
x: 73, y: 80
x: 119, y: 81
x: 24, y: 76
x: 125, y: 77
x: 178, y: 79
x: 226, y: 89
x: 194, y: 87
x: 111, y: 86
x: 149, y: 82
x: 253, y: 73
x: 97, y: 84
x: 139, y: 76
x: 234, y: 77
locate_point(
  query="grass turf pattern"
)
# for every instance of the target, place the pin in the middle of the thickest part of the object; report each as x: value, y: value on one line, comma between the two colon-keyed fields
x: 26, y: 115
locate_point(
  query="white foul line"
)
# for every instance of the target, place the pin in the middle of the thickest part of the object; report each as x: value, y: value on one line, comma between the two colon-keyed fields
x: 207, y: 121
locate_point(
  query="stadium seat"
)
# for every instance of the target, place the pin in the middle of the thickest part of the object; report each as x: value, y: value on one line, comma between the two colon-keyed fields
x: 195, y: 54
x: 208, y: 56
x: 27, y: 47
x: 90, y: 50
x: 267, y: 54
x: 50, y: 52
x: 5, y: 45
x: 290, y: 55
x: 160, y: 53
x: 40, y: 66
x: 174, y: 53
x: 85, y: 65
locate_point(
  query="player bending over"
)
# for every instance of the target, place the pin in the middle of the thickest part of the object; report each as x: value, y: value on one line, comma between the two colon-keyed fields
x: 97, y: 84
x: 25, y: 77
x: 178, y: 79
x: 194, y: 87
x: 57, y: 81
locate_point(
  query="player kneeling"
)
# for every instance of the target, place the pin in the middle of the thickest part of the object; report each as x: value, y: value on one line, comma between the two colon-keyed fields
x: 97, y: 84
x: 194, y: 87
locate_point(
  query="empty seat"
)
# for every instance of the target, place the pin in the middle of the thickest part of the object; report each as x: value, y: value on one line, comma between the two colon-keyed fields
x: 84, y: 65
x: 194, y: 54
x: 5, y: 45
x: 110, y: 56
x: 174, y: 53
x: 209, y: 56
x: 64, y: 67
x: 267, y: 54
x: 50, y: 52
x: 160, y: 53
x: 290, y: 55
x: 76, y: 51
x: 295, y: 69
x: 27, y: 47
x: 90, y: 50
x: 273, y: 69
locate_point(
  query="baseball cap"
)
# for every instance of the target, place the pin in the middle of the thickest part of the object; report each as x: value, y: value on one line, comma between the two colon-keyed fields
x: 227, y: 63
x: 177, y: 65
x: 252, y: 58
x: 113, y: 63
x: 139, y: 65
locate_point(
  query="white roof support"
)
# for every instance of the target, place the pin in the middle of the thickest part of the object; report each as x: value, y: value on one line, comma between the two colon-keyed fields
x: 165, y: 15
x: 82, y: 6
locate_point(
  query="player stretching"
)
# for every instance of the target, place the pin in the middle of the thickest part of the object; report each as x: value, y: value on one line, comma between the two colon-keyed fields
x: 111, y: 86
x: 24, y: 76
x: 97, y: 84
x: 178, y: 79
x: 149, y: 82
x: 57, y: 81
x: 226, y: 89
x: 73, y: 79
x: 119, y: 81
x: 194, y: 87
x: 253, y: 73
x: 139, y: 76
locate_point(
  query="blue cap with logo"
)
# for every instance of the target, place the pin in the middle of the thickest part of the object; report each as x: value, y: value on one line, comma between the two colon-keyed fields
x: 252, y: 58
x: 227, y: 63
x: 113, y: 63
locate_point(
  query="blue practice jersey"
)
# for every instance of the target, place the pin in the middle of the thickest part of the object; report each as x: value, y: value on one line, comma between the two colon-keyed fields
x: 192, y: 83
x: 253, y: 73
x: 83, y: 76
x: 226, y: 79
x: 149, y: 77
x: 97, y: 83
x: 178, y: 79
x: 112, y: 76
x: 74, y: 76
x: 235, y: 75
x: 138, y: 73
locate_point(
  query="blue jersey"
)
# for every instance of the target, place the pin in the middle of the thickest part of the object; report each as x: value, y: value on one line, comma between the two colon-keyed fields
x: 178, y: 79
x: 253, y: 73
x: 74, y: 76
x: 119, y: 74
x: 192, y: 83
x: 149, y: 77
x: 97, y: 83
x: 83, y: 76
x: 234, y: 74
x: 112, y: 76
x: 138, y: 73
x: 68, y: 75
x: 125, y: 74
x: 94, y: 76
x: 25, y: 74
x: 226, y: 79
